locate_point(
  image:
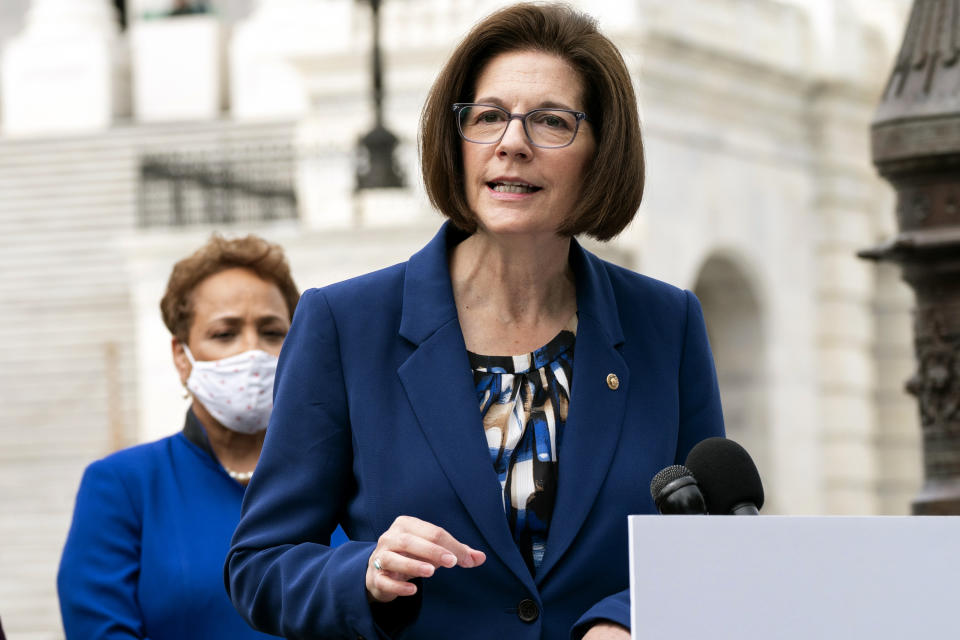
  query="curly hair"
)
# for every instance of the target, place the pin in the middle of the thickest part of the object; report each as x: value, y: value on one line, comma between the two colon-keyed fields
x: 263, y: 258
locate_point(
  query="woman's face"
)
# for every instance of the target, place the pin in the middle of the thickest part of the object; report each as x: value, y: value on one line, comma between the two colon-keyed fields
x: 520, y: 81
x: 233, y: 311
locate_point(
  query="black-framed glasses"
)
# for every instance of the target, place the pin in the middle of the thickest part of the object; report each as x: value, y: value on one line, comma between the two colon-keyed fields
x: 545, y: 128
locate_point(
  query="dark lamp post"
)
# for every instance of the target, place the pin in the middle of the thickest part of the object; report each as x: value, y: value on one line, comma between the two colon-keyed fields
x: 376, y: 167
x: 916, y: 147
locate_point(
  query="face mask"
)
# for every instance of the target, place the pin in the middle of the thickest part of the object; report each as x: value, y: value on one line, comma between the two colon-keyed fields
x: 237, y: 391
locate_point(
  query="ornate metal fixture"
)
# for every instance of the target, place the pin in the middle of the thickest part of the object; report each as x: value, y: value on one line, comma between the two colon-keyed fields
x: 916, y: 147
x: 376, y: 167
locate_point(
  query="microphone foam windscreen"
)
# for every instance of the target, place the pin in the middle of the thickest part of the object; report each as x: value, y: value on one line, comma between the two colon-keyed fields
x: 726, y: 475
x: 666, y: 476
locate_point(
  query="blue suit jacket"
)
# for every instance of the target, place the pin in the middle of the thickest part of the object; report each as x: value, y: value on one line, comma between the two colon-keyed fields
x: 376, y: 416
x: 142, y: 559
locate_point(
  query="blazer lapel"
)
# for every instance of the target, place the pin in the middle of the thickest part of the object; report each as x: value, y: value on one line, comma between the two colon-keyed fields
x: 597, y: 405
x: 439, y: 385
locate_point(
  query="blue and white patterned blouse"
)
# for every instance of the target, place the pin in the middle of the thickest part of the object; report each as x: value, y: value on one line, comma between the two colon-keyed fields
x: 524, y: 402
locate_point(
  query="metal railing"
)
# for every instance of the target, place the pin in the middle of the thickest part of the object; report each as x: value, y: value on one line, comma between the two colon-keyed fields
x: 217, y: 187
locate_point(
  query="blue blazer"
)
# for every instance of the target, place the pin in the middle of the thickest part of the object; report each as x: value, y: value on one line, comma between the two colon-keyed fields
x: 376, y: 416
x: 144, y: 553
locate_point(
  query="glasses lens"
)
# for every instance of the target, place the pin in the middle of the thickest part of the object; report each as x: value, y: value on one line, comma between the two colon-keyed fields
x: 549, y: 128
x: 546, y: 127
x: 483, y: 123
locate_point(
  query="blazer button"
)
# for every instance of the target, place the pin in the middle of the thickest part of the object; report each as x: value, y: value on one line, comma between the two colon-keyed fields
x: 613, y: 381
x: 527, y: 610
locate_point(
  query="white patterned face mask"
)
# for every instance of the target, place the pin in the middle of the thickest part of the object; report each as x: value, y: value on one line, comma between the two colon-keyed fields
x: 237, y: 391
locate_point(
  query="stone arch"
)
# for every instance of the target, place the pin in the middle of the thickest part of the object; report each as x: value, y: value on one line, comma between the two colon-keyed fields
x: 733, y: 313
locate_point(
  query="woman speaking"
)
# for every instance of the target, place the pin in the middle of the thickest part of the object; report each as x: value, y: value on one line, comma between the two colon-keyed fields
x: 482, y: 418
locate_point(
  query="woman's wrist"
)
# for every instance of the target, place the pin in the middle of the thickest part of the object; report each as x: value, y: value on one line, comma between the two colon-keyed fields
x: 607, y: 630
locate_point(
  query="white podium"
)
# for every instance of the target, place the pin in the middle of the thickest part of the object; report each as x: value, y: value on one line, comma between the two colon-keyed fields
x: 793, y: 578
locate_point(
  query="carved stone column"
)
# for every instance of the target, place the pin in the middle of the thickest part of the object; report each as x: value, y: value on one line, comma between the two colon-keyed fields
x: 916, y: 147
x: 177, y: 68
x: 61, y: 73
x: 263, y: 81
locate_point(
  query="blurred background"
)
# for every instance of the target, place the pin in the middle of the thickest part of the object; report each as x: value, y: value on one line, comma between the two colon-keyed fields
x: 130, y: 130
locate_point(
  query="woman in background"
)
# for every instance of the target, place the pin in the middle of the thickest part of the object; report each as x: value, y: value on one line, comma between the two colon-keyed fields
x: 152, y: 523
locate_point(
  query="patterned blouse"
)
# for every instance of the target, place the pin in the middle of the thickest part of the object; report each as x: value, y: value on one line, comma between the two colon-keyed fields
x: 524, y: 402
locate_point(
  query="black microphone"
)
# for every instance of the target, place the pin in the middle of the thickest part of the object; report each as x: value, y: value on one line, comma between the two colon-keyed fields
x: 675, y: 492
x: 729, y: 479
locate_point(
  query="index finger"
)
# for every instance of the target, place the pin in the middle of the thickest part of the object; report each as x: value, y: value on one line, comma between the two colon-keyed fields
x: 463, y: 555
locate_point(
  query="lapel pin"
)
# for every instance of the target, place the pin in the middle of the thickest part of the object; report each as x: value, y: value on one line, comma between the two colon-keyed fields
x: 613, y: 381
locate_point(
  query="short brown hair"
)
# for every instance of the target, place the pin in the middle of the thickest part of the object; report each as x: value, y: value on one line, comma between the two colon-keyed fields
x: 251, y: 252
x: 613, y: 184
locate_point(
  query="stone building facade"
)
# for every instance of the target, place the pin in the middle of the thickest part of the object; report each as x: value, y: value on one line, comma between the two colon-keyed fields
x: 760, y: 190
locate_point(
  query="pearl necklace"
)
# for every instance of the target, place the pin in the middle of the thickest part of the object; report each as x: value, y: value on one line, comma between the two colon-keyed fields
x: 240, y: 476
